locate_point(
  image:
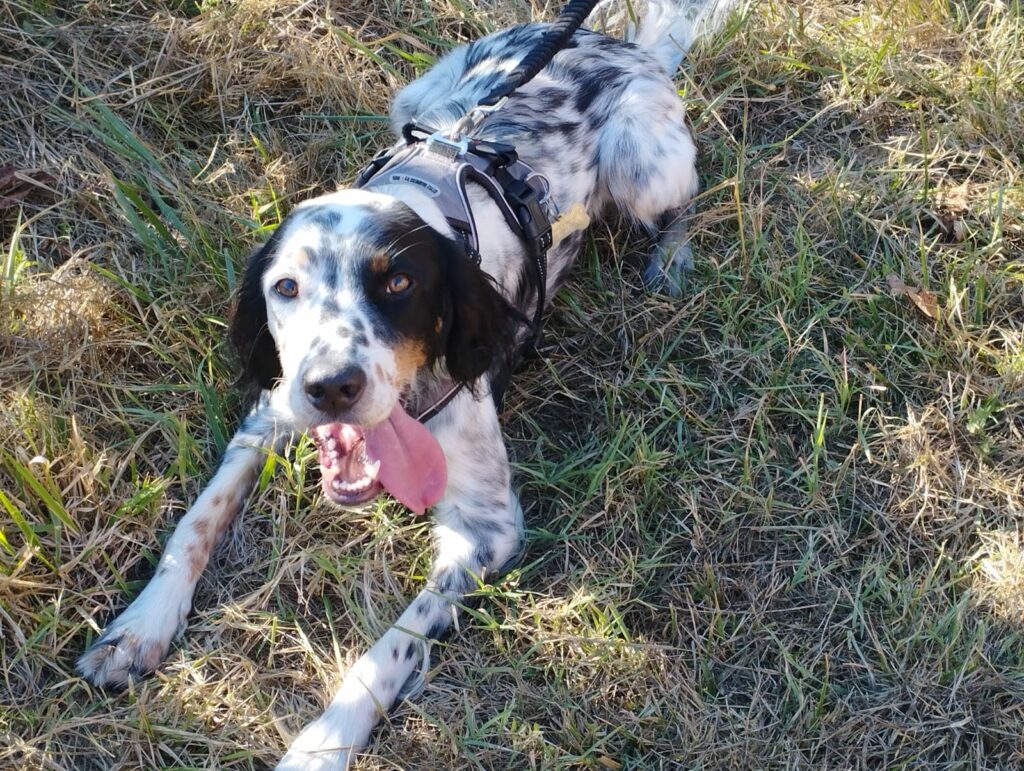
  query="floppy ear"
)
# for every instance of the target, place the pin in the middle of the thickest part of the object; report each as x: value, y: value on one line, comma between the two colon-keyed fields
x: 479, y: 333
x: 247, y: 325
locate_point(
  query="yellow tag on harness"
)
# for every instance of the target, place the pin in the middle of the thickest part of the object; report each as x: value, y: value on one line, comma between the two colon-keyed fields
x: 573, y: 220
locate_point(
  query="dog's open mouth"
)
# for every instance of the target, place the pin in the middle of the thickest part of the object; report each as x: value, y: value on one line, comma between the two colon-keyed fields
x: 398, y: 455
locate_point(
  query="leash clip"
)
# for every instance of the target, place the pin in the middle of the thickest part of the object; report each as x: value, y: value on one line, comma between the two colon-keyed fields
x: 471, y: 120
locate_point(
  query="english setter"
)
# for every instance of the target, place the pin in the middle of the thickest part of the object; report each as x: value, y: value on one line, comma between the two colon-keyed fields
x: 362, y: 309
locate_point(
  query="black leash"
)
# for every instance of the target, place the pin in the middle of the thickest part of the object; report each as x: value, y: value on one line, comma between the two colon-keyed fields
x: 554, y: 40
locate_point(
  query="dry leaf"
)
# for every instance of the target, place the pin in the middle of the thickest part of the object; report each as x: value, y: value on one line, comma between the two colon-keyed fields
x: 611, y: 763
x: 926, y: 302
x: 952, y: 205
x: 17, y: 184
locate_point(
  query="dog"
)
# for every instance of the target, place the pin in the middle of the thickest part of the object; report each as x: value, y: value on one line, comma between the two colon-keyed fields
x: 363, y: 309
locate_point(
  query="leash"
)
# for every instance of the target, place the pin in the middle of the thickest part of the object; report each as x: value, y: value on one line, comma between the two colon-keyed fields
x: 442, y: 164
x: 554, y: 40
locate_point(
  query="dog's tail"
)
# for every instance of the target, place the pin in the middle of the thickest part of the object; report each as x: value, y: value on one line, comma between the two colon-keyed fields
x: 666, y: 28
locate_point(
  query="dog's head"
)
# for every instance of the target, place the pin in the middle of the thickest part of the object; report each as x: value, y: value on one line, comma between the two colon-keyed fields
x: 349, y: 302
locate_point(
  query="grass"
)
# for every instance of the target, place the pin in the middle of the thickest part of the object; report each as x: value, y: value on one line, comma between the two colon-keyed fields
x: 777, y: 523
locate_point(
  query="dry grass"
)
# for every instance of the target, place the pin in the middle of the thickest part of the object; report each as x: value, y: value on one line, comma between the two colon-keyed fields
x: 776, y: 524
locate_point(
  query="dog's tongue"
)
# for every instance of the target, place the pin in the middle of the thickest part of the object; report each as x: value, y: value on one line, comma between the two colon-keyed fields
x: 412, y: 466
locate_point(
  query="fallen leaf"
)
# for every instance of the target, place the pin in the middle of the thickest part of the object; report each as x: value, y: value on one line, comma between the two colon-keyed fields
x: 926, y: 302
x: 18, y: 184
x: 952, y: 205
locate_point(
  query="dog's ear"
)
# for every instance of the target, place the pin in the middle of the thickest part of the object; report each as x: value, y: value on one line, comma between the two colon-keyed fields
x: 247, y: 325
x: 479, y: 325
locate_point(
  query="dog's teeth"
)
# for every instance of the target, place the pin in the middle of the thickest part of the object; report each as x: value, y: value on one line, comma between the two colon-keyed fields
x: 371, y: 469
x: 332, y: 444
x: 357, y: 486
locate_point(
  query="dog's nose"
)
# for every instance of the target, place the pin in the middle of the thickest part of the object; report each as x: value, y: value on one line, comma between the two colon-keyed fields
x: 335, y: 392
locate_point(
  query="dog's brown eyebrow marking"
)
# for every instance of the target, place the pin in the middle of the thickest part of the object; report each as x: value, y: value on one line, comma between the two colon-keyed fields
x: 380, y: 262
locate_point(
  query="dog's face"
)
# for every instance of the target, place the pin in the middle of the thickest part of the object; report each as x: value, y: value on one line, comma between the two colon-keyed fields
x: 352, y: 290
x: 352, y: 299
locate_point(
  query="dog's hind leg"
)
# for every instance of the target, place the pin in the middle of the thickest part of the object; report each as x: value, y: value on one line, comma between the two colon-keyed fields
x: 671, y: 258
x: 478, y: 532
x: 648, y: 167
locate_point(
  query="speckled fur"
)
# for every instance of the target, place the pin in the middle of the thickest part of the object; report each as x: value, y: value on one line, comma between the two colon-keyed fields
x: 603, y: 122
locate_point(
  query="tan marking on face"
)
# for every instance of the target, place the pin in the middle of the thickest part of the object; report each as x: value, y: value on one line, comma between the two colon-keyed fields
x: 409, y: 357
x: 438, y: 324
x: 301, y: 258
x: 380, y: 263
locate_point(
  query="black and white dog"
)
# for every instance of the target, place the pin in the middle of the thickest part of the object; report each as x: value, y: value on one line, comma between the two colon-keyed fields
x: 362, y: 309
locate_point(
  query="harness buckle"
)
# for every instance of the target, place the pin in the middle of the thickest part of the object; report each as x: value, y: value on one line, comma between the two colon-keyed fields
x: 447, y: 148
x: 499, y: 153
x: 530, y: 212
x: 376, y: 164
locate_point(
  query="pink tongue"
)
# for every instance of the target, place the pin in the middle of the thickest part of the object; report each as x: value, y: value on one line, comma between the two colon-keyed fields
x: 412, y: 466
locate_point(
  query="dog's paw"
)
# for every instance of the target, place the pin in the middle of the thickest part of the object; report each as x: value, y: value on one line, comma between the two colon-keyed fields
x: 135, y: 643
x: 119, y: 656
x: 332, y: 742
x: 316, y: 760
x: 669, y: 266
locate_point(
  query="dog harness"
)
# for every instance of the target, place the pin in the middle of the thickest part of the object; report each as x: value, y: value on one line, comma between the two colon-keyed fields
x: 442, y: 167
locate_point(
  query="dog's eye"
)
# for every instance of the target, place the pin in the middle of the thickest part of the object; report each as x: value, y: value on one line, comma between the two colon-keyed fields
x: 287, y: 287
x: 399, y: 283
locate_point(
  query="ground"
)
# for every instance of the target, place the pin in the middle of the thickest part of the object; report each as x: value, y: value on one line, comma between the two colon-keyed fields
x: 777, y: 522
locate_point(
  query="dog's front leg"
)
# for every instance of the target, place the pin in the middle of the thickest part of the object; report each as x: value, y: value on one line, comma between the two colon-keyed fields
x: 478, y: 533
x: 138, y: 640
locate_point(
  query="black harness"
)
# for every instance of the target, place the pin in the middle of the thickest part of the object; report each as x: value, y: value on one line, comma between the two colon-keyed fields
x: 442, y: 168
x: 443, y: 165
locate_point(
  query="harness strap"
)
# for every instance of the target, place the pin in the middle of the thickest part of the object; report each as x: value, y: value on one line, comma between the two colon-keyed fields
x: 442, y: 168
x: 440, y: 404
